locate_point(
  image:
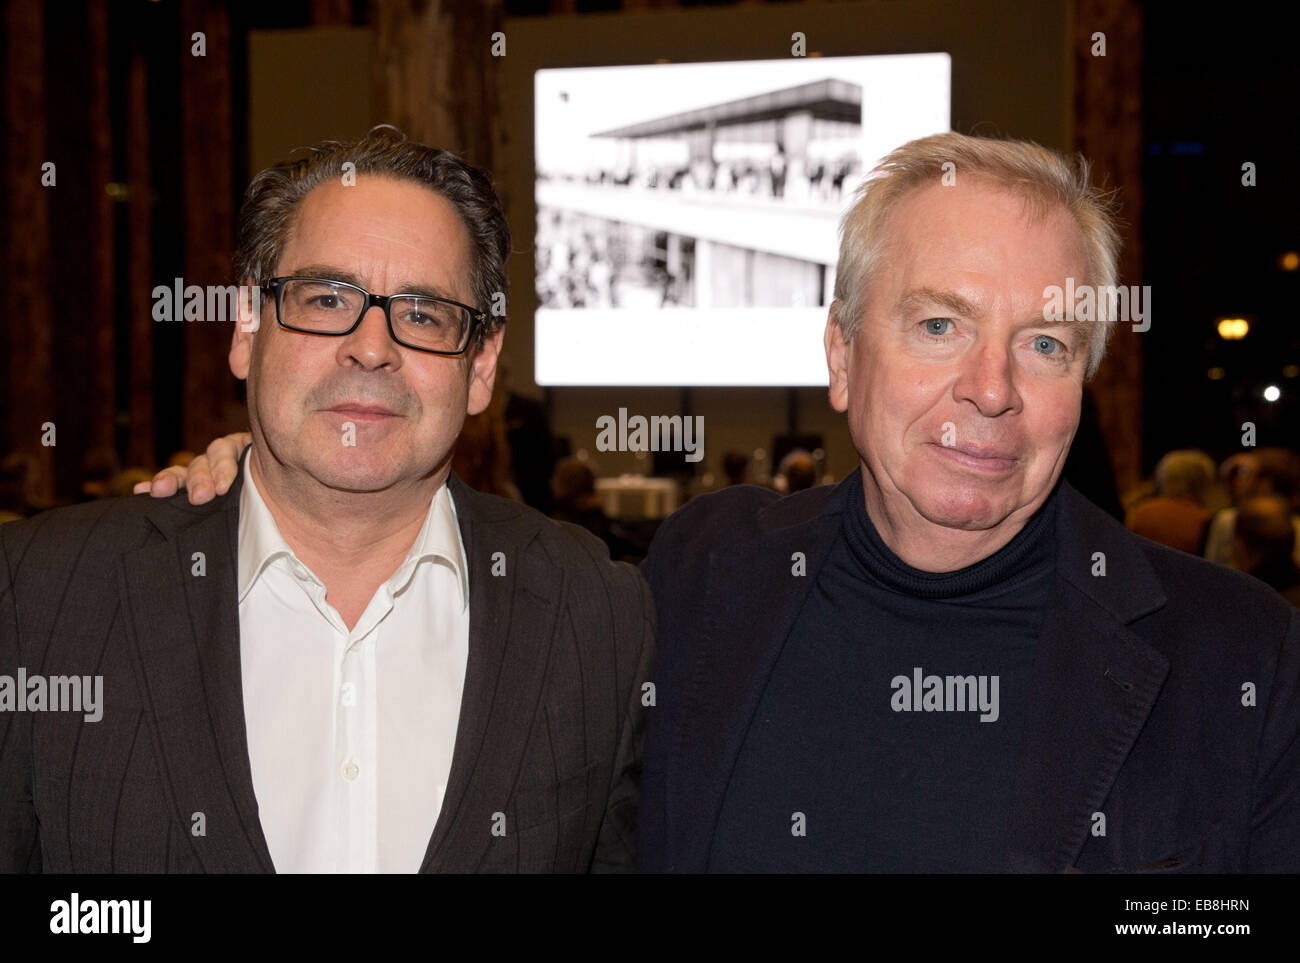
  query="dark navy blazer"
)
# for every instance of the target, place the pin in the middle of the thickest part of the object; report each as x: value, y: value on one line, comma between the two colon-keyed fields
x: 1166, y: 692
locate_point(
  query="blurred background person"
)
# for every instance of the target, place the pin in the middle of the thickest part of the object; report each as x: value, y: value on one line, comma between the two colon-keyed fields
x: 17, y: 487
x: 1266, y: 471
x: 573, y: 490
x: 1265, y: 542
x: 1177, y: 515
x: 735, y: 467
x: 796, y: 472
x: 1238, y: 473
x: 482, y: 456
x: 532, y: 445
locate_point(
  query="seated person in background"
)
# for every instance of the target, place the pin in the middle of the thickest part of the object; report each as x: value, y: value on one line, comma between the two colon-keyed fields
x: 1265, y: 542
x: 735, y: 465
x: 1177, y: 515
x: 1267, y: 471
x: 796, y: 472
x: 573, y: 488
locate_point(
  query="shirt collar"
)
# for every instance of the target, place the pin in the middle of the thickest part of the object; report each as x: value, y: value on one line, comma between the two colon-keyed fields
x: 260, y: 541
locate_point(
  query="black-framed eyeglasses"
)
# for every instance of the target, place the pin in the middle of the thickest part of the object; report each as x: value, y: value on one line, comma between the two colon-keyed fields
x: 335, y: 308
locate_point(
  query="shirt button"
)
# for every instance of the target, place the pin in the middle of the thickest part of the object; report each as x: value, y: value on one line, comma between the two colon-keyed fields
x: 349, y: 693
x: 350, y: 771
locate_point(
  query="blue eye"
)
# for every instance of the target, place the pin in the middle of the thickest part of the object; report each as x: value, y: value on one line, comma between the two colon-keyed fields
x: 1050, y: 343
x: 929, y: 325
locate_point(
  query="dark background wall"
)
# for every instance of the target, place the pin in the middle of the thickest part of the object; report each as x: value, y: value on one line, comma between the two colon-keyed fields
x: 153, y: 146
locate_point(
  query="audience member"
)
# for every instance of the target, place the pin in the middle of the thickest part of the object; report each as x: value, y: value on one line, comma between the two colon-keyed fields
x: 1265, y: 540
x: 735, y: 465
x: 796, y: 472
x: 1176, y: 516
x: 1267, y: 471
x: 573, y: 491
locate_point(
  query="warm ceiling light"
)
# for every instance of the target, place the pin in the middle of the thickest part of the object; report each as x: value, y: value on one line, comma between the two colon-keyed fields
x: 1233, y: 329
x: 1290, y: 261
x: 1215, y: 374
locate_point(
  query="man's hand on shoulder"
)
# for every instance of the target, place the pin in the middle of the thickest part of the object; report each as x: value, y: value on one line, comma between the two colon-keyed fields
x: 207, y: 476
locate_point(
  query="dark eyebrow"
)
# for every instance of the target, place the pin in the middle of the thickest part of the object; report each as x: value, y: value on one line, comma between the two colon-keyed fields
x: 347, y: 277
x: 947, y: 299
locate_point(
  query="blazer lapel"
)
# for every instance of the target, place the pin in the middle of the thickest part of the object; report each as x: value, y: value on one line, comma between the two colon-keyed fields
x: 752, y: 599
x: 1094, y: 684
x: 511, y: 623
x: 185, y: 630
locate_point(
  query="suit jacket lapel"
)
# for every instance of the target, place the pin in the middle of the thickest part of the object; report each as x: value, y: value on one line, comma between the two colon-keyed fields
x: 185, y: 630
x: 511, y: 623
x: 1094, y: 680
x: 753, y: 598
x: 1094, y: 684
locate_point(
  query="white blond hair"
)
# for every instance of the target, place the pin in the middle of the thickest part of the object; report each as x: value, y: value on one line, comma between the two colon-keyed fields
x: 1043, y: 177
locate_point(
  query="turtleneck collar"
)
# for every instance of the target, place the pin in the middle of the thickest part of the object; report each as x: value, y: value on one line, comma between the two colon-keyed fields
x: 1031, y: 548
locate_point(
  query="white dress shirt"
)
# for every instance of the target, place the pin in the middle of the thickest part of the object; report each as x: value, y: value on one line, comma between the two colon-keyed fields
x: 350, y: 734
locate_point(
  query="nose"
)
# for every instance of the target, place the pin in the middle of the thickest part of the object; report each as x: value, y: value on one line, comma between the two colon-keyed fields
x: 370, y: 346
x: 987, y: 380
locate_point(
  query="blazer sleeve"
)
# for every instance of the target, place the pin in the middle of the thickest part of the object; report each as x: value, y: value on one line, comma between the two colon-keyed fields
x: 1275, y: 820
x: 20, y: 849
x: 616, y: 843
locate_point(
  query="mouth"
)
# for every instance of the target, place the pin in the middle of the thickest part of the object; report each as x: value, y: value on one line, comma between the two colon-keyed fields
x: 990, y: 460
x: 362, y: 412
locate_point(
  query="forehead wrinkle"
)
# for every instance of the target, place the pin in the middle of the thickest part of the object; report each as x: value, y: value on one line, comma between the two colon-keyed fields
x: 461, y: 230
x: 393, y: 240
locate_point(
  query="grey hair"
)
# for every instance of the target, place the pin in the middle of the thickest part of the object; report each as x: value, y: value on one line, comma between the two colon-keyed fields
x: 1043, y: 177
x: 274, y: 194
x: 1186, y: 471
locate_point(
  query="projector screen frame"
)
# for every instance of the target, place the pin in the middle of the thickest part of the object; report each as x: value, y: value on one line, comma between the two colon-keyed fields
x: 988, y: 94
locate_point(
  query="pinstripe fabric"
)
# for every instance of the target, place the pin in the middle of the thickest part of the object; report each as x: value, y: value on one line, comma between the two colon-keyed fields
x: 545, y: 772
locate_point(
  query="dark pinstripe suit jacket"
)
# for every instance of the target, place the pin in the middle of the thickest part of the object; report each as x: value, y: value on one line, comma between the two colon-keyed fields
x: 550, y: 722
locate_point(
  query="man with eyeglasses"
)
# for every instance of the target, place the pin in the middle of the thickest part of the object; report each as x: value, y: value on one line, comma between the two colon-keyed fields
x: 350, y: 662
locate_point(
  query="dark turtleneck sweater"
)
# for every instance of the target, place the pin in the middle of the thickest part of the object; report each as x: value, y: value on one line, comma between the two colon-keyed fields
x: 889, y: 779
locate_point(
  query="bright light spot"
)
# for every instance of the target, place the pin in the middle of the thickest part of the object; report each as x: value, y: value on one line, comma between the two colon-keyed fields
x: 1233, y: 329
x: 1290, y: 261
x: 1272, y: 393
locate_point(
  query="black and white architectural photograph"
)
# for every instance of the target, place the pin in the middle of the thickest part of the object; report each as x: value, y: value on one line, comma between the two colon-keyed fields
x: 689, y: 211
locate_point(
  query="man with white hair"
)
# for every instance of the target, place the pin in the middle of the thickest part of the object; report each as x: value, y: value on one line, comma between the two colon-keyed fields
x: 951, y: 661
